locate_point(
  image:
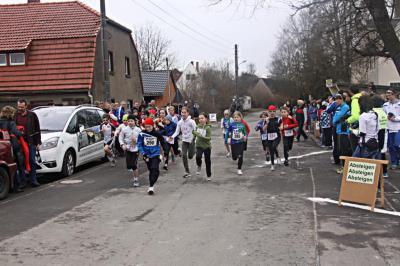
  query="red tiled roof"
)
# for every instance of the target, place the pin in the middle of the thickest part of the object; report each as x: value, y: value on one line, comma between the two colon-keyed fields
x: 21, y: 23
x: 60, y: 43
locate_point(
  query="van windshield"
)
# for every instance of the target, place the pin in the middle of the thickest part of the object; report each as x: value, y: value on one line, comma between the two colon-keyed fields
x: 53, y: 119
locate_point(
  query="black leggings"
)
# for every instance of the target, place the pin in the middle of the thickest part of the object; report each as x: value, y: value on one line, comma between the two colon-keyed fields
x: 167, y: 148
x: 207, y: 158
x: 301, y: 131
x: 237, y: 153
x: 287, y: 146
x: 272, y: 146
x: 154, y: 171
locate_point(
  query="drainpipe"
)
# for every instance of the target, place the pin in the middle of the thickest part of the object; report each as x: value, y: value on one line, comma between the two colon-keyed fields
x: 91, y: 97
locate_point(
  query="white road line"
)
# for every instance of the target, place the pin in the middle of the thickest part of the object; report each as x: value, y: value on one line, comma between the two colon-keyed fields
x: 293, y: 157
x: 363, y: 207
x: 393, y: 186
x: 316, y: 241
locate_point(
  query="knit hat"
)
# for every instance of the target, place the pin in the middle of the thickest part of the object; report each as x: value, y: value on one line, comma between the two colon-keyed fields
x: 131, y: 117
x: 272, y: 108
x: 168, y: 117
x: 125, y: 117
x: 153, y: 112
x: 149, y: 122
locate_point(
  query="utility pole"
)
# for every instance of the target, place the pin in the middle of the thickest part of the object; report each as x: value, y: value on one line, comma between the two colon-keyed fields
x: 236, y: 70
x: 106, y: 77
x: 169, y: 86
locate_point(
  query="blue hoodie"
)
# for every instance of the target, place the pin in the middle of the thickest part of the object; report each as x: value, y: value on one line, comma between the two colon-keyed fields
x: 149, y: 143
x: 339, y: 121
x: 168, y: 130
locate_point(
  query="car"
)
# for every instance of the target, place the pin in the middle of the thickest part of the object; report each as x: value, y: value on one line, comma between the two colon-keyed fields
x: 70, y: 137
x: 8, y: 167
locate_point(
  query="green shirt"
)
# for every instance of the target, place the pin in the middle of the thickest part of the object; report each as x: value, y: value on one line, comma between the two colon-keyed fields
x: 203, y: 136
x: 382, y: 117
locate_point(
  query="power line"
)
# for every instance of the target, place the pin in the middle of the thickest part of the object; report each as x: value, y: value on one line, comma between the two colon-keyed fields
x: 184, y: 24
x: 178, y: 29
x: 197, y: 23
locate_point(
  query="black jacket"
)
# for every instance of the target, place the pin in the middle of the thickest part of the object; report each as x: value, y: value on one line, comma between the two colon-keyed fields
x: 33, y: 129
x: 10, y: 126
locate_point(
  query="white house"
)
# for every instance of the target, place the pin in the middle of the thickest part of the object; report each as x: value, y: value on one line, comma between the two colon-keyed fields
x: 189, y: 76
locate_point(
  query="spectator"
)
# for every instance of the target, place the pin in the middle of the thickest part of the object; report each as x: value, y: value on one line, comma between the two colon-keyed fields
x: 31, y: 133
x: 355, y: 95
x: 301, y: 119
x: 382, y: 134
x: 326, y: 126
x: 392, y: 109
x: 121, y: 111
x: 342, y: 129
x: 331, y: 109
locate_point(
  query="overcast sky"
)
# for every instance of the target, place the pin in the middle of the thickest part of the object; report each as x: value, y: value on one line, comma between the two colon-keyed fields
x: 217, y: 28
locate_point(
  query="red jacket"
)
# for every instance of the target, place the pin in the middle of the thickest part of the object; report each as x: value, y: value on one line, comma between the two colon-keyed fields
x: 291, y: 125
x: 247, y: 126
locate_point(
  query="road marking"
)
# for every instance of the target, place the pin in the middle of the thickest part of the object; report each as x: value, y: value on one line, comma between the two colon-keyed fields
x: 293, y: 157
x: 363, y: 207
x: 316, y: 241
x: 71, y: 182
x: 393, y: 186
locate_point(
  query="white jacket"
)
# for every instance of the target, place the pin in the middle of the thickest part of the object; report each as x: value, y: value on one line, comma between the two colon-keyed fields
x: 393, y: 108
x: 125, y: 137
x: 186, y: 127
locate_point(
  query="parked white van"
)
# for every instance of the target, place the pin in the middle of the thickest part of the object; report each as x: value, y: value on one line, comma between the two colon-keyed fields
x: 70, y: 137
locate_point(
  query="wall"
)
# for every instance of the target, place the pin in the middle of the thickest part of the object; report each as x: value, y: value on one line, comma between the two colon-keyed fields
x: 379, y: 70
x: 164, y: 100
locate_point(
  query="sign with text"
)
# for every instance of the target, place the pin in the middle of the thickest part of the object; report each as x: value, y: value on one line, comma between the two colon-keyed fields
x: 360, y: 181
x: 213, y: 117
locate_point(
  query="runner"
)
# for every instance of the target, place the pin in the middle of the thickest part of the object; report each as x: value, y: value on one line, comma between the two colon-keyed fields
x: 149, y: 145
x: 128, y: 140
x: 108, y: 131
x: 287, y: 126
x: 237, y: 135
x: 203, y: 144
x: 186, y: 125
x: 273, y: 135
x: 263, y: 135
x: 169, y: 130
x: 225, y: 123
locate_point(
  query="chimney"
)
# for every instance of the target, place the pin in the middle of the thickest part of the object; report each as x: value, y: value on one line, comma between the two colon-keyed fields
x: 33, y: 1
x: 197, y: 67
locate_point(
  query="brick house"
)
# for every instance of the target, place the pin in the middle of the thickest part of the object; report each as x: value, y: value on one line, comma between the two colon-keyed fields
x: 50, y: 53
x: 159, y: 85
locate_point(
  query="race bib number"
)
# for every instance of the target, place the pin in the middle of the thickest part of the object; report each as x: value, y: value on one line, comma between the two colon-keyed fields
x: 289, y: 133
x: 150, y: 141
x: 237, y: 135
x: 272, y: 136
x: 264, y: 136
x: 202, y: 132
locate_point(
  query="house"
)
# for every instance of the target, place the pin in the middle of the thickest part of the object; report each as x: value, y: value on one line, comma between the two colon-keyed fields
x: 189, y: 77
x: 159, y: 85
x: 50, y: 53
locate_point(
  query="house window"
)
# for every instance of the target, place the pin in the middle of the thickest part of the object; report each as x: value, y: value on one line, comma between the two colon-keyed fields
x: 187, y: 76
x: 127, y: 67
x: 17, y: 59
x: 3, y: 59
x: 110, y: 62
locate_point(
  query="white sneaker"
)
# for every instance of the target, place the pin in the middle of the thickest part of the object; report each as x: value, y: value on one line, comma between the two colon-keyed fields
x: 198, y: 170
x: 136, y: 182
x: 272, y: 168
x: 208, y: 178
x: 150, y: 191
x: 228, y: 155
x: 240, y: 172
x: 266, y: 162
x: 278, y: 161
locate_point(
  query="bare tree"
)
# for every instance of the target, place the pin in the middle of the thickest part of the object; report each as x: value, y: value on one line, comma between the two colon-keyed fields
x: 153, y: 48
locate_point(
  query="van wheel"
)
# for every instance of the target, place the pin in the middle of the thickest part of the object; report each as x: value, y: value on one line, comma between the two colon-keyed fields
x: 4, y: 183
x: 68, y: 164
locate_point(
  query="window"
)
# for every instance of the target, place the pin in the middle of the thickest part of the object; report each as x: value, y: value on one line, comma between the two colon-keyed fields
x: 187, y: 76
x: 3, y: 59
x: 110, y: 62
x: 127, y: 67
x: 17, y: 59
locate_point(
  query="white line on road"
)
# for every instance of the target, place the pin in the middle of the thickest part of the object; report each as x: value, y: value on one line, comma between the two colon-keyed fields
x: 316, y: 241
x: 363, y: 207
x: 293, y: 157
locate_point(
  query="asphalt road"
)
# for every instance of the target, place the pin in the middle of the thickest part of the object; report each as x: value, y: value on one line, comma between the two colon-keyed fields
x: 260, y: 218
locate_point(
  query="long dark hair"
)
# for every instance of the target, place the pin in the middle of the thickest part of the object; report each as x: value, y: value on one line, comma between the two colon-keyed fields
x: 366, y: 104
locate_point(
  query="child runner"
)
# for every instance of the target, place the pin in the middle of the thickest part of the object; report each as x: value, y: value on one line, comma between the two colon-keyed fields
x: 225, y: 123
x: 169, y: 130
x: 108, y: 132
x: 128, y: 140
x: 237, y: 135
x: 203, y: 144
x: 149, y: 145
x: 186, y: 125
x: 273, y: 134
x: 288, y: 124
x: 263, y: 134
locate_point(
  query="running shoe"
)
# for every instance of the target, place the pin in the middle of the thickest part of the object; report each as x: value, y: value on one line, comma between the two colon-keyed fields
x: 150, y: 191
x: 339, y: 170
x: 136, y: 182
x: 385, y: 175
x: 113, y: 162
x: 268, y: 158
x: 228, y: 155
x: 286, y: 163
x: 240, y: 172
x: 165, y: 167
x: 208, y: 178
x: 198, y: 170
x: 272, y: 168
x: 393, y: 167
x: 186, y: 175
x: 278, y: 161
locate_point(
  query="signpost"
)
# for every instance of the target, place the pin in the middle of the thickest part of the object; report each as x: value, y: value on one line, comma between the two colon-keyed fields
x: 360, y: 181
x: 213, y: 117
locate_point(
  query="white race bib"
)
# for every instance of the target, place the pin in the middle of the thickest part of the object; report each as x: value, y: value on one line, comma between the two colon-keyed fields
x: 289, y: 133
x: 272, y: 136
x: 237, y: 135
x: 264, y: 136
x: 150, y: 141
x: 202, y: 132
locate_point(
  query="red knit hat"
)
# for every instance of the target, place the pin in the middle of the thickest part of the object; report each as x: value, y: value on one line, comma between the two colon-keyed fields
x: 153, y: 112
x: 149, y: 122
x: 271, y: 108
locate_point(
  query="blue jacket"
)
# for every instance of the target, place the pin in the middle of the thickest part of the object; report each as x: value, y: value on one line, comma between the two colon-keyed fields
x: 339, y: 119
x: 168, y: 130
x: 237, y: 131
x: 149, y: 143
x: 119, y: 113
